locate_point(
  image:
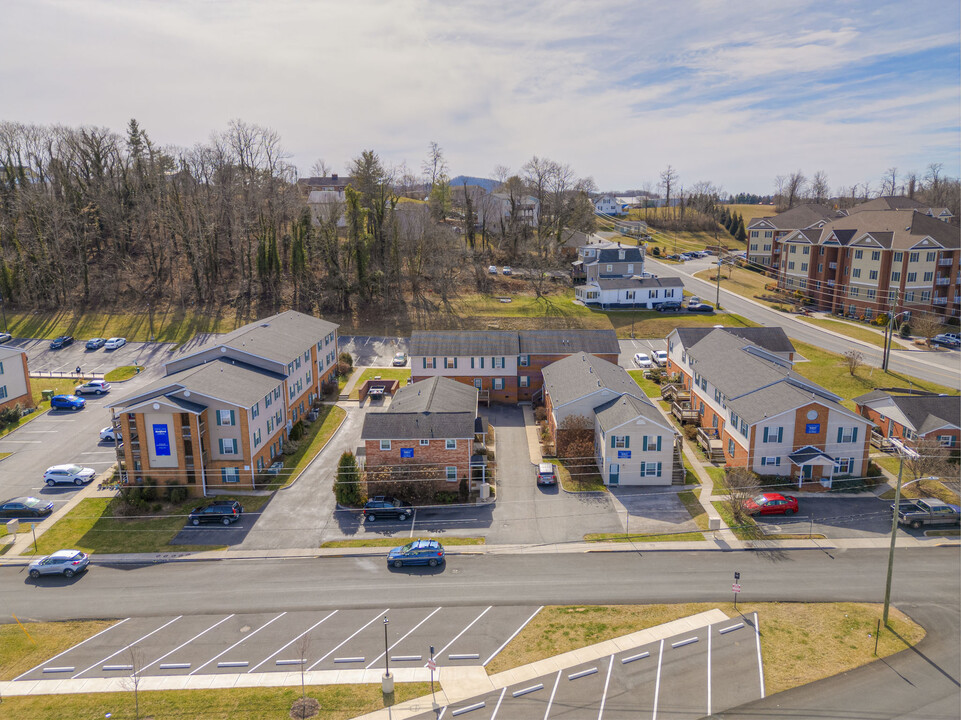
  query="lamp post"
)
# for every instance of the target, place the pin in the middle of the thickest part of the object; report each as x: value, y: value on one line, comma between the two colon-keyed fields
x: 387, y: 684
x: 886, y: 354
x: 902, y: 451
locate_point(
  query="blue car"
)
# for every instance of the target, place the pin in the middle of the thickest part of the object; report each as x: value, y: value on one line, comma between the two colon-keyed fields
x: 67, y: 402
x: 419, y: 552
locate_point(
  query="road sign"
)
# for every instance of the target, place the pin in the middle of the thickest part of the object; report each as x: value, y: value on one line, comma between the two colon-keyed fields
x: 736, y: 588
x: 431, y: 664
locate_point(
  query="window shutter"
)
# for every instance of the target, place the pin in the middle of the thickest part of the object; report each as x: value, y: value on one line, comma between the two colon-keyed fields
x: 217, y: 415
x: 659, y: 469
x: 627, y: 441
x: 854, y: 434
x: 455, y: 363
x: 642, y: 468
x: 220, y: 444
x: 644, y: 443
x: 840, y: 433
x: 424, y: 360
x: 482, y: 363
x: 780, y: 434
x: 658, y: 443
x: 613, y: 440
x: 765, y: 434
x: 472, y: 363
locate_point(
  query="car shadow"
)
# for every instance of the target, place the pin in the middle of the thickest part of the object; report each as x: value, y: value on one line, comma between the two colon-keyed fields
x: 53, y: 580
x: 428, y: 520
x: 418, y: 569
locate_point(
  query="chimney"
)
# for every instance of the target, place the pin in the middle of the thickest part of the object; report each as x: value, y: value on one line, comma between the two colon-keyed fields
x: 333, y: 177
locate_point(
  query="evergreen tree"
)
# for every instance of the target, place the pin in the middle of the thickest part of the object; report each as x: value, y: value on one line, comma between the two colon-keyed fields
x: 347, y: 488
x: 740, y: 235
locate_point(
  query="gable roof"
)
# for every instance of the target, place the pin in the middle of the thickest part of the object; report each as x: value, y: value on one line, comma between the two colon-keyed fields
x: 581, y: 374
x: 896, y: 202
x: 438, y: 395
x: 773, y: 339
x: 797, y: 218
x: 639, y: 283
x: 624, y: 409
x: 435, y: 408
x: 504, y: 342
x: 923, y: 413
x: 889, y: 229
x: 557, y: 342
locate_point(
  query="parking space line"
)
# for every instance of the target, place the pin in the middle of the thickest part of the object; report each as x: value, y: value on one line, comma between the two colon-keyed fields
x: 632, y: 658
x: 307, y: 631
x: 657, y: 682
x: 469, y: 708
x: 73, y: 648
x: 607, y: 682
x: 550, y: 702
x: 184, y: 644
x: 436, y: 610
x: 498, y: 706
x: 730, y: 628
x: 709, y: 669
x: 760, y: 664
x: 238, y: 643
x: 682, y: 643
x: 442, y: 711
x: 444, y: 649
x: 413, y: 520
x: 582, y: 673
x: 348, y: 639
x: 524, y: 625
x: 128, y: 646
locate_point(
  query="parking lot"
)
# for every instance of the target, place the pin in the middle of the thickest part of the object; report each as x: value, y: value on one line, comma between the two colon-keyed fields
x: 276, y: 642
x: 836, y: 518
x: 693, y: 675
x: 41, y: 358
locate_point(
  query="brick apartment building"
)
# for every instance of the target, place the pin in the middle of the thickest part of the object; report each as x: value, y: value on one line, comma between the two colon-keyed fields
x: 764, y: 234
x: 15, y: 386
x: 504, y: 366
x: 222, y: 414
x: 908, y: 415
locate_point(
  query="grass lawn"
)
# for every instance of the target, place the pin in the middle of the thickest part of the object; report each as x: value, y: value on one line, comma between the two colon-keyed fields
x: 800, y: 642
x: 394, y: 542
x: 19, y: 653
x: 94, y: 526
x: 315, y: 437
x: 749, y: 212
x: 748, y: 531
x: 650, y: 388
x: 830, y: 370
x: 742, y: 282
x: 653, y: 324
x: 720, y: 479
x: 124, y: 372
x: 689, y: 498
x: 400, y: 374
x: 578, y: 478
x: 634, y: 537
x: 851, y: 330
x: 337, y: 702
x: 690, y: 477
x: 924, y: 489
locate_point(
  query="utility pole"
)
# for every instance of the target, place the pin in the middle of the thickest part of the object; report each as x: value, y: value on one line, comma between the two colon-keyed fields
x: 890, y: 331
x: 717, y: 298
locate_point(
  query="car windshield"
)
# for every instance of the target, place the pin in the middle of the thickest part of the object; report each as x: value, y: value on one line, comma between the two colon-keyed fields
x: 759, y: 499
x: 72, y: 468
x: 407, y: 548
x: 31, y: 502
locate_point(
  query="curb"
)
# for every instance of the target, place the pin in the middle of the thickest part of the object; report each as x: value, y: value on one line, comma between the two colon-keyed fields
x: 323, y: 447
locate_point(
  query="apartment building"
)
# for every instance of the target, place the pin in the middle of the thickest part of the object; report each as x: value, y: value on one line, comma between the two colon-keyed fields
x: 633, y: 443
x: 766, y: 416
x: 221, y: 414
x: 15, y: 386
x: 606, y: 260
x: 765, y: 233
x: 898, y: 202
x: 909, y: 415
x: 875, y: 261
x: 504, y: 366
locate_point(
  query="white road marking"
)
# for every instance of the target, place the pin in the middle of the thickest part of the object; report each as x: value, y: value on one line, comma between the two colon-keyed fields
x: 69, y: 668
x: 582, y: 673
x: 527, y: 690
x: 246, y: 637
x: 128, y: 646
x: 292, y: 642
x: 513, y: 635
x: 760, y: 665
x: 709, y: 669
x: 12, y: 440
x: 607, y: 682
x: 435, y: 611
x: 632, y: 658
x: 162, y: 667
x: 100, y: 452
x: 730, y: 628
x: 469, y: 708
x: 444, y: 649
x: 348, y: 639
x: 553, y: 692
x: 657, y: 682
x: 682, y: 643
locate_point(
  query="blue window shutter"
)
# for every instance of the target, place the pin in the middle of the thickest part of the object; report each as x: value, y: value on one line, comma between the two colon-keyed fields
x: 840, y: 433
x: 482, y: 363
x: 780, y: 434
x: 627, y: 441
x: 765, y: 434
x: 233, y: 418
x: 455, y: 363
x: 658, y: 443
x: 613, y: 440
x: 854, y: 434
x: 220, y: 443
x: 642, y: 468
x: 217, y: 415
x: 644, y: 443
x: 424, y: 360
x: 659, y: 469
x: 472, y: 363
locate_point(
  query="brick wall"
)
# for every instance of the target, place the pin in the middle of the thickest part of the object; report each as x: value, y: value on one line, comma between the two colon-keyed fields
x: 433, y: 455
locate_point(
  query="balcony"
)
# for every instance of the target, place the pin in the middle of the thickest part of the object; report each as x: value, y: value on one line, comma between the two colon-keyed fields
x: 943, y: 281
x: 945, y: 262
x: 710, y: 442
x: 940, y: 301
x: 685, y: 412
x: 832, y: 266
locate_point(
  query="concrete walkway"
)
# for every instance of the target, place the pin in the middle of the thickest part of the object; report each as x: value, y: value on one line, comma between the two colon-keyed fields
x: 533, y: 441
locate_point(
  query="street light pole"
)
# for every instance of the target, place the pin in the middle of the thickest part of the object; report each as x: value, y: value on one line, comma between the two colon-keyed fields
x: 387, y: 684
x: 894, y: 533
x: 717, y: 298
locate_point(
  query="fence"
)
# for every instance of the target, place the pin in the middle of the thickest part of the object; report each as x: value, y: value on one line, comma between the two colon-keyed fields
x: 70, y: 375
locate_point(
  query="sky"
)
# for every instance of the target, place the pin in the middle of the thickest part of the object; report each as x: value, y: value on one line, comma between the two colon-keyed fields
x: 732, y: 92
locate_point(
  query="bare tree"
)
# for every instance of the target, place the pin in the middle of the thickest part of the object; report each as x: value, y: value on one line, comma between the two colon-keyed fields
x: 820, y: 190
x: 135, y: 660
x: 794, y: 188
x: 435, y: 165
x: 911, y: 184
x: 929, y: 460
x: 854, y: 360
x: 669, y: 178
x: 889, y: 182
x: 925, y: 325
x: 304, y: 707
x: 320, y: 168
x: 742, y: 484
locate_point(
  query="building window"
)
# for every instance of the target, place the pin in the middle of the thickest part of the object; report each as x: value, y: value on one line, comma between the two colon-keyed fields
x: 424, y: 443
x: 478, y: 383
x: 3, y: 391
x: 497, y: 362
x: 497, y: 383
x: 896, y: 276
x: 428, y: 363
x: 524, y: 360
x: 858, y: 254
x: 525, y: 381
x: 267, y: 400
x: 847, y: 434
x: 946, y: 440
x: 270, y: 425
x: 925, y: 296
x: 790, y: 265
x: 650, y: 469
x: 931, y: 256
x: 898, y: 257
x: 225, y: 417
x: 872, y: 275
x: 843, y: 465
x: 909, y: 296
x: 854, y: 292
x: 619, y: 441
x: 652, y: 443
x: 914, y: 257
x: 451, y: 472
x: 730, y: 447
x: 257, y: 438
x: 255, y: 410
x: 450, y: 444
x: 230, y: 475
x: 770, y: 461
x: 450, y: 363
x: 228, y: 446
x: 804, y: 267
x: 856, y: 272
x: 928, y: 276
x: 875, y: 255
x: 912, y: 277
x: 773, y: 435
x: 385, y: 444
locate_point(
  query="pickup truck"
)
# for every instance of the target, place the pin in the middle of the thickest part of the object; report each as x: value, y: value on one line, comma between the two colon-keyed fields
x: 917, y: 513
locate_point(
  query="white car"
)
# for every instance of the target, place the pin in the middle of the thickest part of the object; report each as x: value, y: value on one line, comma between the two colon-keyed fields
x: 63, y: 562
x: 95, y: 387
x: 110, y: 435
x: 507, y: 270
x: 643, y: 360
x: 492, y: 269
x: 115, y: 343
x: 660, y: 357
x: 68, y: 474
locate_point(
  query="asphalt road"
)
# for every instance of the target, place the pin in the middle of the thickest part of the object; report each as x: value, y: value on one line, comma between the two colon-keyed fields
x: 940, y: 367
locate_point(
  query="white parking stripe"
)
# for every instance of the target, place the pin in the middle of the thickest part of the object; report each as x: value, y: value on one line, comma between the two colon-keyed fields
x: 498, y: 706
x: 513, y: 635
x: 436, y: 610
x: 709, y: 633
x: 99, y: 662
x: 600, y: 712
x: 760, y: 665
x: 247, y: 637
x: 444, y: 649
x: 348, y: 639
x: 162, y: 657
x: 553, y: 692
x: 657, y: 682
x: 73, y: 648
x: 293, y: 641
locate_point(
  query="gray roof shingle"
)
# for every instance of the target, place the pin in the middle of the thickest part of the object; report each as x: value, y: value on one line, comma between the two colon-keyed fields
x: 558, y: 342
x: 773, y: 339
x: 434, y: 408
x: 797, y: 218
x: 924, y: 412
x: 582, y: 374
x: 438, y: 394
x: 503, y: 342
x: 638, y: 283
x: 624, y: 409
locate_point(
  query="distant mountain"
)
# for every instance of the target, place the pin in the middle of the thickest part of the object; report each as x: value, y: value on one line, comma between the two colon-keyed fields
x: 485, y: 183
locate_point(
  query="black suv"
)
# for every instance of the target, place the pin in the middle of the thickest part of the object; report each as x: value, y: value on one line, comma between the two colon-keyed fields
x: 221, y: 511
x: 387, y: 506
x: 669, y: 306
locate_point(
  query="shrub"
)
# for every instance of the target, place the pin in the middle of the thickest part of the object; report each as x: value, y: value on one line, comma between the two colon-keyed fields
x: 463, y: 490
x: 345, y: 359
x: 656, y: 252
x: 445, y: 497
x: 347, y: 483
x: 847, y: 485
x: 656, y: 376
x: 540, y: 414
x: 177, y: 494
x: 297, y: 431
x: 10, y: 415
x: 905, y: 331
x: 690, y: 432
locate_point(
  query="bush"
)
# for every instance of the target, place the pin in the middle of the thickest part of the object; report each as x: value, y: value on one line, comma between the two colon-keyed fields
x: 10, y: 415
x: 656, y: 252
x: 445, y: 497
x: 847, y: 485
x: 540, y: 414
x: 690, y: 432
x: 656, y: 376
x: 464, y: 490
x: 345, y: 359
x: 297, y: 431
x: 347, y: 483
x: 905, y: 331
x: 176, y: 494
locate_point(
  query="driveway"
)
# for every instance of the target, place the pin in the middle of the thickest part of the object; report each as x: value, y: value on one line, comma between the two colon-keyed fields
x: 150, y: 355
x: 372, y: 351
x: 837, y: 518
x: 652, y: 510
x: 526, y: 513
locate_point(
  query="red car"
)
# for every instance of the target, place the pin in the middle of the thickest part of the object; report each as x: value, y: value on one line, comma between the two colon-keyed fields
x: 771, y: 504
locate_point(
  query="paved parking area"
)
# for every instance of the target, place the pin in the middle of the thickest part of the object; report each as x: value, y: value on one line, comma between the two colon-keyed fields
x: 654, y: 510
x: 276, y: 642
x: 686, y: 676
x: 628, y: 347
x: 41, y: 358
x: 837, y: 518
x: 372, y: 351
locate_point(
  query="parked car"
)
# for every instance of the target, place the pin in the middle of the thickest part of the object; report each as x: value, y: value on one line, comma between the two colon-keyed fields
x: 492, y: 269
x: 108, y: 433
x: 67, y: 402
x: 25, y: 507
x: 546, y: 474
x: 643, y: 360
x: 68, y: 474
x: 115, y: 343
x: 694, y: 300
x: 61, y: 342
x: 669, y: 306
x: 63, y: 562
x: 223, y: 512
x: 384, y: 506
x: 507, y: 270
x: 419, y: 552
x: 5, y: 337
x: 700, y: 308
x: 771, y: 504
x: 95, y: 343
x: 660, y: 357
x: 928, y: 511
x: 95, y: 387
x: 400, y: 359
x: 946, y: 340
x: 673, y: 257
